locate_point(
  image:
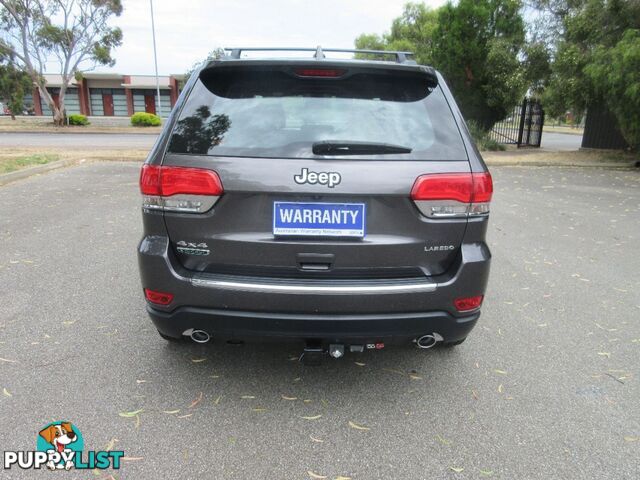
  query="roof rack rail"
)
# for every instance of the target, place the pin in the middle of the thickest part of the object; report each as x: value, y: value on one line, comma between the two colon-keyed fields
x: 401, y: 57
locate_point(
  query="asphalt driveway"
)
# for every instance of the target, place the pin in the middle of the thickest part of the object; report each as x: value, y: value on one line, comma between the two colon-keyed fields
x: 547, y: 386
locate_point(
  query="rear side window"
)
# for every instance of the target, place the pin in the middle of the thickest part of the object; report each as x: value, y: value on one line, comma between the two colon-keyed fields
x: 273, y: 113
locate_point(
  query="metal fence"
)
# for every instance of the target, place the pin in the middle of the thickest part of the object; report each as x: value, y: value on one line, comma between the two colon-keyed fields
x: 522, y: 127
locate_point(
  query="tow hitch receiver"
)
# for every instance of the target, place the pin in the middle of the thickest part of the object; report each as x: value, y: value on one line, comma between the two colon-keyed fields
x: 312, y: 354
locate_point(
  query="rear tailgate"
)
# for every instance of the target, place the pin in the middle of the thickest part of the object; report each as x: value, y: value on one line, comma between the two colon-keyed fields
x: 256, y: 125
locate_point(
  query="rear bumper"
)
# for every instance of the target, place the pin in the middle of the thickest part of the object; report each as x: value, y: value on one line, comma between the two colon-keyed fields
x: 243, y: 307
x: 389, y: 328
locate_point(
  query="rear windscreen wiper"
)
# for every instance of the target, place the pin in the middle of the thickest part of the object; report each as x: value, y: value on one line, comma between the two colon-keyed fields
x: 341, y: 147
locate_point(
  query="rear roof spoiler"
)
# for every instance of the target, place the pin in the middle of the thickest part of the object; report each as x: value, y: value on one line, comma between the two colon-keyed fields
x: 401, y: 63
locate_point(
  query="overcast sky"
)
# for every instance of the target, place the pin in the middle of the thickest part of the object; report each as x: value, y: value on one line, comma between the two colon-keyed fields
x: 187, y: 30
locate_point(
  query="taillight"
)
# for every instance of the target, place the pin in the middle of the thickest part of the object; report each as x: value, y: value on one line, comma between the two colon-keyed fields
x: 467, y: 304
x: 444, y: 195
x: 159, y: 298
x: 179, y: 189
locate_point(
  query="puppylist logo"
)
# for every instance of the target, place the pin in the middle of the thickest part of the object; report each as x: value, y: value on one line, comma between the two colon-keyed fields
x: 60, y: 446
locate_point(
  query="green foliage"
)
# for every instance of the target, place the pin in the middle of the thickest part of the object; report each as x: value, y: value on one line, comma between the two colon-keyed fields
x: 597, y: 61
x: 78, y: 119
x: 482, y: 139
x: 143, y: 119
x: 615, y: 74
x: 74, y: 33
x: 14, y: 84
x: 479, y: 45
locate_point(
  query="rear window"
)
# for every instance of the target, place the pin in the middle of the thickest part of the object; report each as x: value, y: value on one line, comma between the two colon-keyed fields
x: 275, y: 114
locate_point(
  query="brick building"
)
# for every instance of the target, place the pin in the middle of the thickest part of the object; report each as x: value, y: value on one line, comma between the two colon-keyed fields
x: 109, y: 95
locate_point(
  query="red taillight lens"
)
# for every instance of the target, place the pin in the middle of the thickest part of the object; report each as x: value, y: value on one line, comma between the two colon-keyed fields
x: 482, y: 187
x: 443, y: 186
x: 150, y: 180
x: 167, y: 181
x: 319, y: 72
x: 461, y: 187
x: 468, y: 303
x: 159, y: 298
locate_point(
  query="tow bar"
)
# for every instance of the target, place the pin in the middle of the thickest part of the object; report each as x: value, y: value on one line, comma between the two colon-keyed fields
x: 314, y: 351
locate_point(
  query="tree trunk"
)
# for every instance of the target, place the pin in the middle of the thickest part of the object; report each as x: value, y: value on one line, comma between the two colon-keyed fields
x: 59, y: 118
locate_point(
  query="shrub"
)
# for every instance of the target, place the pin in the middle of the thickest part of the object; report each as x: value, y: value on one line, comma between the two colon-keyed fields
x: 143, y: 119
x: 77, y: 119
x: 482, y: 139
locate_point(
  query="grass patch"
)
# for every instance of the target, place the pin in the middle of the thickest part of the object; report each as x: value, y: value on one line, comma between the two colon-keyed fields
x: 11, y: 164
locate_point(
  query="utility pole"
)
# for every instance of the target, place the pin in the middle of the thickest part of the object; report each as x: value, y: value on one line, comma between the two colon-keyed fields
x: 155, y: 59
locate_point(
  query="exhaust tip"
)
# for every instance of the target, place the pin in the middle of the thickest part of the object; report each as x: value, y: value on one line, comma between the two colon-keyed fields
x: 200, y: 336
x: 429, y: 340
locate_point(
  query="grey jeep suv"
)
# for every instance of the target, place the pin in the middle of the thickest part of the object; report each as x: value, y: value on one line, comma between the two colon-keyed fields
x: 336, y: 201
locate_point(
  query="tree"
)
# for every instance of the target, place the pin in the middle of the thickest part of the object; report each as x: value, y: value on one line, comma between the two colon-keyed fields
x: 478, y: 46
x: 14, y: 84
x: 601, y: 65
x: 73, y: 33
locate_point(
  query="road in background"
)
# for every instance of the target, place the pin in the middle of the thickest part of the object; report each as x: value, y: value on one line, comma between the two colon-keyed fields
x: 550, y: 141
x: 560, y: 141
x: 546, y: 386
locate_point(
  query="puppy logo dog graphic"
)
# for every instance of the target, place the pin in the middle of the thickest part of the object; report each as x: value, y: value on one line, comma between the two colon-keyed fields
x: 60, y: 438
x: 60, y: 446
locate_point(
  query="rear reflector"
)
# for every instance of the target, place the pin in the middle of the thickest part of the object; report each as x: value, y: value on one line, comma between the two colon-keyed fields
x: 159, y: 298
x: 319, y: 72
x: 453, y: 194
x: 179, y: 189
x: 467, y: 304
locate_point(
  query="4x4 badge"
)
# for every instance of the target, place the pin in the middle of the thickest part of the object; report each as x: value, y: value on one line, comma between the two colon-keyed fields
x: 331, y: 179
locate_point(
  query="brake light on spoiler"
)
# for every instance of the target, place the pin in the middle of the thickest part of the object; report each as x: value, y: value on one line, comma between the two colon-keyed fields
x: 447, y: 195
x: 179, y: 189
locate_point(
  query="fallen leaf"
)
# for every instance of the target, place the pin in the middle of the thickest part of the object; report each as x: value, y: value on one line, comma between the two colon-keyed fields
x: 198, y: 360
x: 284, y: 397
x: 171, y: 412
x: 630, y: 439
x: 474, y: 394
x: 357, y: 427
x: 109, y: 446
x: 486, y: 473
x: 131, y: 414
x: 6, y: 392
x: 185, y: 416
x: 315, y: 475
x: 196, y: 401
x: 140, y: 381
x: 315, y: 417
x: 360, y: 364
x: 340, y: 477
x: 259, y: 409
x: 217, y: 400
x: 605, y: 354
x: 7, y: 360
x: 501, y: 372
x: 457, y: 469
x: 415, y: 377
x: 69, y: 322
x: 137, y: 424
x: 443, y: 441
x: 247, y: 397
x: 500, y: 388
x: 318, y: 440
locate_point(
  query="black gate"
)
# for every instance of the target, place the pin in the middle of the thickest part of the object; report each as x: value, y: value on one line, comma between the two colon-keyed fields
x: 522, y: 127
